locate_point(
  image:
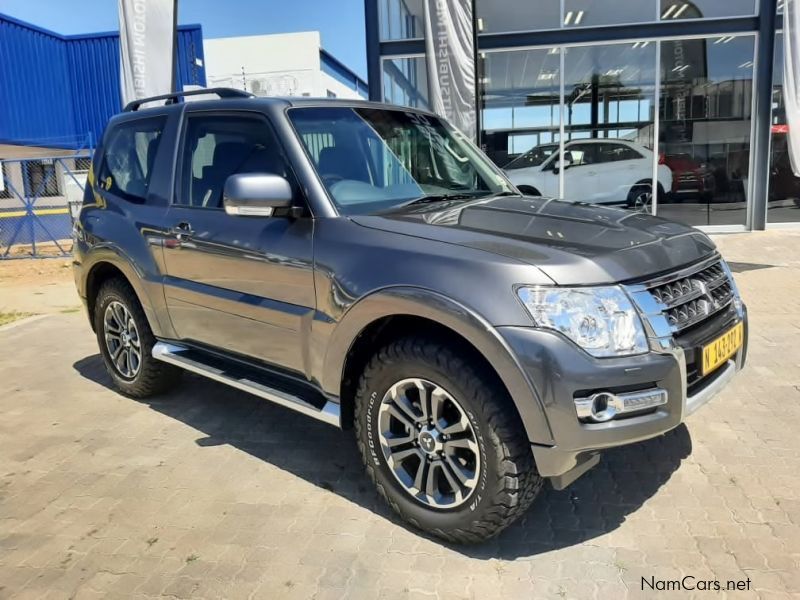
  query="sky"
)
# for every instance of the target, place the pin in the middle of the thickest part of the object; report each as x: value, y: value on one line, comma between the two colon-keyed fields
x: 341, y: 22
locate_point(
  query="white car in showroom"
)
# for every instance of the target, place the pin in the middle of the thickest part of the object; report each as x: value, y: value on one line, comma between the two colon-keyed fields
x: 599, y: 171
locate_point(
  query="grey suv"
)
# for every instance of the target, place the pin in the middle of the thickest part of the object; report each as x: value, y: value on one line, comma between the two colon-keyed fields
x: 367, y: 266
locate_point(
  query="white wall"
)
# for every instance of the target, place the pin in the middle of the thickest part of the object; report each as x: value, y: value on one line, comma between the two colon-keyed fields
x: 285, y: 64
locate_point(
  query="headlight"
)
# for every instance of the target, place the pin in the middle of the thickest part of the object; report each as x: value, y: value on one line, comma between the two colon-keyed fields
x: 601, y: 320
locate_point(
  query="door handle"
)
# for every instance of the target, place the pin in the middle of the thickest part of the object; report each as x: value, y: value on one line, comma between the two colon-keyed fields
x: 182, y: 230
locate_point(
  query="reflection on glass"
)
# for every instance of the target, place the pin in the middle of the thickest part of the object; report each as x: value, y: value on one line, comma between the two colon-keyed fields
x: 704, y: 132
x: 784, y: 185
x: 519, y: 100
x: 401, y: 19
x: 405, y: 82
x: 706, y: 9
x: 609, y: 111
x: 499, y: 16
x: 582, y: 13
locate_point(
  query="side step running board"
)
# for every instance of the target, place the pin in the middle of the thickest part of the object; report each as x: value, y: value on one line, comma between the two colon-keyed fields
x: 182, y: 357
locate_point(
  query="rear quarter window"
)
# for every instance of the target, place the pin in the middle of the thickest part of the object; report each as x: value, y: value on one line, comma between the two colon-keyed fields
x: 129, y: 157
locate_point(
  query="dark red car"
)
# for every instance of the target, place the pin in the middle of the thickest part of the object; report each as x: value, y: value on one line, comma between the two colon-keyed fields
x: 690, y: 177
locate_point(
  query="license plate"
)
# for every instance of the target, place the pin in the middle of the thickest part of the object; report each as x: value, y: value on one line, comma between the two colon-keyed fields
x: 722, y: 348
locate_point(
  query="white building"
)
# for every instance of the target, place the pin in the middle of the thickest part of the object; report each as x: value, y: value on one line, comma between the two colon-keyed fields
x: 286, y: 64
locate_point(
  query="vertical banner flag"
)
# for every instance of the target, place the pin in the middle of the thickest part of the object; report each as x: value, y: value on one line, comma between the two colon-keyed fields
x: 450, y: 60
x: 146, y: 44
x: 791, y: 80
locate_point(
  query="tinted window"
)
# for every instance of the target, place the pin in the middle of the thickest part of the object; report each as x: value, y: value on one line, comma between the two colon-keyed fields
x: 582, y: 154
x: 130, y: 153
x: 533, y: 157
x: 216, y: 147
x: 615, y: 152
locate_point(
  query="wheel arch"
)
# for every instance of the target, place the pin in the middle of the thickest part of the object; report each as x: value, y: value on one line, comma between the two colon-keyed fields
x: 396, y: 312
x: 529, y: 190
x: 107, y: 265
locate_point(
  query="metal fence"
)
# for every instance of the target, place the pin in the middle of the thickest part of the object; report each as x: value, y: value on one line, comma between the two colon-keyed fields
x: 39, y: 198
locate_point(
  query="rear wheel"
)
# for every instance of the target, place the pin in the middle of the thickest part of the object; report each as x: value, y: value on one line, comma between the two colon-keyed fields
x: 442, y: 443
x: 126, y: 343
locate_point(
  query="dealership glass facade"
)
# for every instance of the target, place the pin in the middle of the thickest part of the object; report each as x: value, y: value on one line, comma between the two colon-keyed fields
x: 632, y: 93
x: 784, y: 187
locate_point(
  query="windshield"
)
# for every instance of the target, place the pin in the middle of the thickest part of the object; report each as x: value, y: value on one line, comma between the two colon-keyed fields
x: 533, y: 157
x: 372, y: 160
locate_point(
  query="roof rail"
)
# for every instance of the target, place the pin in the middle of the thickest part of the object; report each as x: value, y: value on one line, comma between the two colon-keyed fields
x: 172, y: 98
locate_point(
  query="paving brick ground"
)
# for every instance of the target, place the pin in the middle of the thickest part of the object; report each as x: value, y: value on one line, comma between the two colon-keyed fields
x: 212, y: 493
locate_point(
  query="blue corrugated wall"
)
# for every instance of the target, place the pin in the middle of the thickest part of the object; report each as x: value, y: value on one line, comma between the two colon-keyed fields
x: 59, y: 91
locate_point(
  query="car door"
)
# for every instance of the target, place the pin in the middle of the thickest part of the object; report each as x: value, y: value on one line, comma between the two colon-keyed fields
x: 620, y: 167
x: 243, y: 284
x: 547, y: 178
x: 580, y: 178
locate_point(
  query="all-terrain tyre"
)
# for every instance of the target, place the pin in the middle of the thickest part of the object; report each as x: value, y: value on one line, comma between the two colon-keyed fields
x: 126, y: 343
x: 420, y: 468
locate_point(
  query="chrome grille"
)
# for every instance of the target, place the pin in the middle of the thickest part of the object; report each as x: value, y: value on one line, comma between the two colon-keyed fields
x: 692, y: 298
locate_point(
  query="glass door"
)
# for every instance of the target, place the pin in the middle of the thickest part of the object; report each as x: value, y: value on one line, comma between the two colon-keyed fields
x: 705, y: 105
x: 609, y: 100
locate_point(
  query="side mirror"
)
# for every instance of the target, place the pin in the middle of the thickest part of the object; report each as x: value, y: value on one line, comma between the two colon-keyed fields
x: 256, y: 194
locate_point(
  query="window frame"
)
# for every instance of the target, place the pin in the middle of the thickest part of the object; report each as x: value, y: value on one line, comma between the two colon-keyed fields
x: 40, y: 190
x: 615, y: 144
x: 180, y: 163
x: 6, y: 192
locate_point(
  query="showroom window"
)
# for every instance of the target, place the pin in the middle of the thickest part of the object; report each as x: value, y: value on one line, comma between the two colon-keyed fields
x: 587, y: 13
x: 610, y: 89
x: 401, y: 19
x: 706, y: 9
x: 405, y: 81
x: 520, y: 104
x: 784, y: 186
x: 705, y: 106
x: 501, y: 16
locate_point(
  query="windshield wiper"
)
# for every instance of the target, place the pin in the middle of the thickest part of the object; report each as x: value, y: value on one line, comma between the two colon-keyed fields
x: 432, y: 198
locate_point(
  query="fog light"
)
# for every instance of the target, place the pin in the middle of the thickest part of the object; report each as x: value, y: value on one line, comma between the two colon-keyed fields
x: 605, y: 406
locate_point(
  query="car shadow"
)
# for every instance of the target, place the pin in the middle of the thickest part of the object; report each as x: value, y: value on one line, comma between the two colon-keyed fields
x: 594, y: 505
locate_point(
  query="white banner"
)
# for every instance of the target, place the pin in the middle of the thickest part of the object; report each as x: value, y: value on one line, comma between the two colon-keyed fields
x: 791, y: 79
x: 146, y: 36
x: 450, y: 58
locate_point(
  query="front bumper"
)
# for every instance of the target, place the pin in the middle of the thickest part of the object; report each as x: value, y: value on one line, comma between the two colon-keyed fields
x: 560, y: 372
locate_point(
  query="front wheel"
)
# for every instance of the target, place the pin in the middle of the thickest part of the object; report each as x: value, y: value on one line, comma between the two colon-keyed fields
x: 442, y: 442
x: 640, y: 198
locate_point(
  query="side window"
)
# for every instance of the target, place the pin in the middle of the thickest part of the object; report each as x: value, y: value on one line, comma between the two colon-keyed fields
x: 216, y: 147
x: 582, y: 154
x: 615, y: 152
x: 130, y: 153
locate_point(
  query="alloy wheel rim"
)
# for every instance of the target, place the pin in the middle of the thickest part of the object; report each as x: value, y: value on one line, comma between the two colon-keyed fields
x: 122, y: 340
x: 429, y: 443
x: 643, y: 201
